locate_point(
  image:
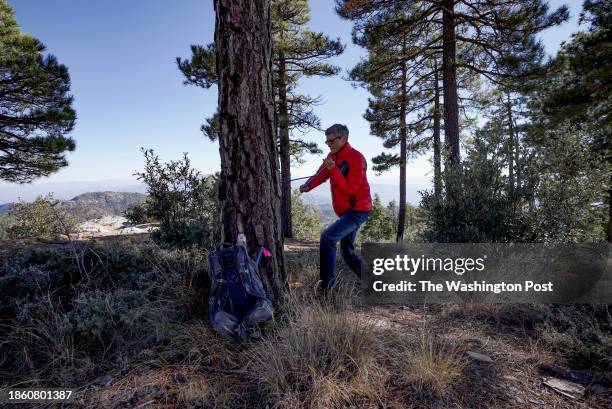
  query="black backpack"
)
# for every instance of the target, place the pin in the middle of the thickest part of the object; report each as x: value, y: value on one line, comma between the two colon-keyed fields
x: 237, y: 300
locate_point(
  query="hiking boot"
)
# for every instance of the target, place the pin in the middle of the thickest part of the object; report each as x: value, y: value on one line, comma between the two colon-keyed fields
x: 322, y: 293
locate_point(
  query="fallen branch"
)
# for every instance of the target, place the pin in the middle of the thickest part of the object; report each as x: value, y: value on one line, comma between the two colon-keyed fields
x: 581, y: 377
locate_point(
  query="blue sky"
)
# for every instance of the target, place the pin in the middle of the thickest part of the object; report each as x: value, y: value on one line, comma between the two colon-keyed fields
x: 129, y: 93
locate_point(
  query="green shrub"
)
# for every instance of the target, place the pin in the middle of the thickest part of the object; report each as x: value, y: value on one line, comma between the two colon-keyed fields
x: 581, y: 334
x: 381, y: 224
x: 557, y: 200
x: 184, y: 202
x: 43, y: 218
x: 98, y: 315
x: 137, y: 214
x: 79, y: 309
x: 304, y: 218
x: 5, y: 223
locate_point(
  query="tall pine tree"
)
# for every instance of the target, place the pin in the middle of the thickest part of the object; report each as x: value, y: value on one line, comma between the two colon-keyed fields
x: 249, y: 185
x: 297, y: 52
x: 406, y: 95
x: 387, y: 73
x: 494, y: 33
x: 35, y: 105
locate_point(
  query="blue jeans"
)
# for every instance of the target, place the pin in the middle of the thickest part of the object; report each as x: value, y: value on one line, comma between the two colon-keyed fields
x: 344, y: 230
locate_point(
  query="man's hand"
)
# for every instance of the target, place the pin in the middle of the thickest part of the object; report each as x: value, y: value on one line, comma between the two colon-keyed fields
x: 303, y: 189
x: 329, y: 163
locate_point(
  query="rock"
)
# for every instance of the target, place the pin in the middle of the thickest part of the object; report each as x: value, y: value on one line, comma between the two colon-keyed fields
x: 479, y: 357
x: 566, y: 388
x: 113, y: 225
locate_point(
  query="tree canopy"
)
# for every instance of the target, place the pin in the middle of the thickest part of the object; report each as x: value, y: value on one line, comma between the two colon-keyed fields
x: 35, y: 105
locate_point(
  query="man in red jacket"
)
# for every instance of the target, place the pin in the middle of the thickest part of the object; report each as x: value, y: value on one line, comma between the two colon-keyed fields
x: 346, y: 169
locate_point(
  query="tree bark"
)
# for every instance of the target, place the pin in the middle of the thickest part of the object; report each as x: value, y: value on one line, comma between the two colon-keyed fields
x: 436, y: 140
x: 517, y: 157
x: 285, y: 159
x: 401, y: 220
x: 511, y: 146
x: 610, y: 210
x: 449, y: 80
x: 249, y: 183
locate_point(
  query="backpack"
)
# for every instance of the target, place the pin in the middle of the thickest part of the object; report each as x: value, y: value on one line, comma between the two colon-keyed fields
x: 237, y: 298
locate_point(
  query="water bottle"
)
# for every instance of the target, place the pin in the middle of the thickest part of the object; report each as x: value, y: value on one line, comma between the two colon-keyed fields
x: 242, y: 240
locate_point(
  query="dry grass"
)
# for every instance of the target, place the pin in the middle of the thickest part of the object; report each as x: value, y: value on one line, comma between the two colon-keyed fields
x: 316, y: 353
x: 435, y: 367
x: 170, y: 385
x: 320, y: 358
x: 425, y: 369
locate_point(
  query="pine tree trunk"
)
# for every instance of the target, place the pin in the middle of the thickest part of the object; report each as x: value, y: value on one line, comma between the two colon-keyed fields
x: 449, y: 80
x: 401, y: 220
x: 610, y: 210
x: 249, y: 187
x: 285, y: 159
x: 517, y: 157
x: 510, y: 147
x: 436, y: 140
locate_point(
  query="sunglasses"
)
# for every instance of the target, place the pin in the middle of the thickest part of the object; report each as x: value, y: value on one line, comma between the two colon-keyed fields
x: 330, y: 141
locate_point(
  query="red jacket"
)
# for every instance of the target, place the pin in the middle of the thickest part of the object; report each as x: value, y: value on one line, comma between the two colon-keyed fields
x: 349, y: 185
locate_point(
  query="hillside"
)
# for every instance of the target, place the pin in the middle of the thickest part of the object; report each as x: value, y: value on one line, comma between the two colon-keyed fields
x: 93, y: 205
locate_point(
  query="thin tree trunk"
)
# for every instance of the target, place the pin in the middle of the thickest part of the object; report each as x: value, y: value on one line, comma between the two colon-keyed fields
x: 285, y: 160
x: 610, y: 210
x: 517, y: 157
x: 452, y: 166
x: 436, y: 139
x: 401, y: 220
x: 249, y: 187
x: 449, y: 80
x: 511, y: 146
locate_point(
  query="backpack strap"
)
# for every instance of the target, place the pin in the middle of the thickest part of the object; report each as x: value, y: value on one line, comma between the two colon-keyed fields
x: 241, y: 260
x: 224, y: 245
x: 217, y: 282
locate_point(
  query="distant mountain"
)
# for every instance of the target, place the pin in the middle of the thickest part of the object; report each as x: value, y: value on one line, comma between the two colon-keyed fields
x: 94, y: 205
x: 5, y: 208
x: 11, y: 192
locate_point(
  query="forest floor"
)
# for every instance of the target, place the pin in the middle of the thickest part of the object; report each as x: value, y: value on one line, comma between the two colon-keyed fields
x: 336, y: 353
